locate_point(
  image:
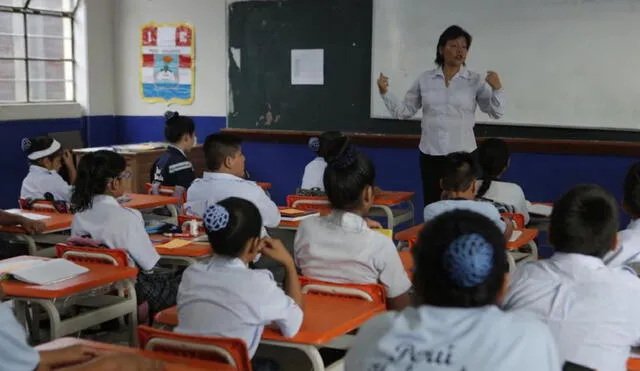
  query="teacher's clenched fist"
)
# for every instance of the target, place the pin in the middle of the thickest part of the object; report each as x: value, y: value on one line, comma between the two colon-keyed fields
x: 383, y: 83
x: 493, y: 80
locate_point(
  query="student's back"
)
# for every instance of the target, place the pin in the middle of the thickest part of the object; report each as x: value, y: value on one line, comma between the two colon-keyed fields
x: 340, y: 247
x: 459, y: 279
x: 591, y: 309
x: 328, y: 145
x: 628, y: 251
x: 173, y: 168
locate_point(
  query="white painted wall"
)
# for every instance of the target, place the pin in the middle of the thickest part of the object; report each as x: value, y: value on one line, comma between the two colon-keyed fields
x: 209, y: 19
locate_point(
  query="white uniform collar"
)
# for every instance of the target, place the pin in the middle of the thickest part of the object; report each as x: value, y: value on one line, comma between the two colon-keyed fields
x: 225, y: 262
x: 208, y: 175
x: 462, y: 72
x: 347, y: 220
x: 634, y: 224
x: 105, y: 199
x: 40, y: 169
x: 177, y: 148
x: 590, y: 262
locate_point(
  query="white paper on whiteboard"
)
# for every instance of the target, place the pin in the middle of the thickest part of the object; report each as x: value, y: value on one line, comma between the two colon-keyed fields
x: 307, y: 67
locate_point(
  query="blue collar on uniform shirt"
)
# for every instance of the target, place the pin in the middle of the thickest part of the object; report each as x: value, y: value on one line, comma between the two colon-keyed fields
x: 463, y: 72
x: 347, y: 220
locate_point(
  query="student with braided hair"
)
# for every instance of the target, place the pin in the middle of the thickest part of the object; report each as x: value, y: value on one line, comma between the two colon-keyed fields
x: 223, y: 297
x: 460, y: 279
x: 341, y: 247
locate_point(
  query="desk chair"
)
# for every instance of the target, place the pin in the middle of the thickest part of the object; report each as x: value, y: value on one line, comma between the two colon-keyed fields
x: 225, y: 350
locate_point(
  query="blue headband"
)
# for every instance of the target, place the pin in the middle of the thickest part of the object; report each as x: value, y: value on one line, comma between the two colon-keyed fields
x: 468, y: 260
x: 26, y: 144
x: 216, y: 218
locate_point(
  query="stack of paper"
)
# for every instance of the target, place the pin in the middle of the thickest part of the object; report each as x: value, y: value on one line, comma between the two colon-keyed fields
x: 293, y: 215
x: 42, y: 272
x: 515, y: 235
x: 27, y: 215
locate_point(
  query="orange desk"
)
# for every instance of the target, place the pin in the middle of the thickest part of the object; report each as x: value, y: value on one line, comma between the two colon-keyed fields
x: 185, y: 255
x: 144, y: 201
x: 55, y: 224
x: 633, y: 364
x: 293, y: 225
x: 386, y: 200
x: 99, y: 275
x: 172, y: 363
x: 410, y: 235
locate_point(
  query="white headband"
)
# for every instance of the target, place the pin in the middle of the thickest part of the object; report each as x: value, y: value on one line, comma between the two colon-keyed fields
x: 53, y: 148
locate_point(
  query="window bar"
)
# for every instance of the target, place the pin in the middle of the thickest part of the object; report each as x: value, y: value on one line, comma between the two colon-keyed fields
x: 26, y: 54
x: 75, y: 8
x: 73, y: 55
x: 26, y: 4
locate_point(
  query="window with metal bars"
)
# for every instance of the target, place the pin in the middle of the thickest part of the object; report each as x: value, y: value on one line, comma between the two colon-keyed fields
x: 36, y: 51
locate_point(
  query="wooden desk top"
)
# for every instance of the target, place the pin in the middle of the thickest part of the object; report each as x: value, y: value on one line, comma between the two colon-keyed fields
x: 98, y: 275
x: 173, y: 363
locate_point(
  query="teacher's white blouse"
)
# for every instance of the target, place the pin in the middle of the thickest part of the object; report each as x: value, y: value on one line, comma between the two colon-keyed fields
x: 448, y: 113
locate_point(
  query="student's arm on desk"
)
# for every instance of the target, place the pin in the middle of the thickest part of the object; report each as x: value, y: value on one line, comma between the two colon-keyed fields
x: 31, y: 226
x: 508, y: 230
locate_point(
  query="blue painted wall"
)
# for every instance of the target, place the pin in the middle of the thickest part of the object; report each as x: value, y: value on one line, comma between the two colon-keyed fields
x: 543, y: 177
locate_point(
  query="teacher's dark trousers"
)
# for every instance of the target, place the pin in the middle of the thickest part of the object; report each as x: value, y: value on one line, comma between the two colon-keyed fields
x: 431, y: 170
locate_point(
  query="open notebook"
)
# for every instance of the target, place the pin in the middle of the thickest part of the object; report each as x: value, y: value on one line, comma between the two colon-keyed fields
x: 42, y: 272
x: 539, y: 209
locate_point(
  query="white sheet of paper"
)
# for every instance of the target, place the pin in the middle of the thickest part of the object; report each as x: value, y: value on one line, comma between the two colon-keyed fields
x: 307, y: 67
x: 514, y: 236
x: 28, y: 215
x: 538, y: 209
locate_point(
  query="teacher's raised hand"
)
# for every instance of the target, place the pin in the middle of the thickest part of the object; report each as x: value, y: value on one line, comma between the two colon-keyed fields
x: 383, y: 83
x: 493, y: 80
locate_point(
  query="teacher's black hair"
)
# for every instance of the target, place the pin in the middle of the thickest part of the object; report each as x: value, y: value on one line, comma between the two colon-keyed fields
x: 94, y: 172
x: 493, y: 156
x: 459, y: 172
x: 584, y: 221
x: 631, y: 192
x: 431, y: 282
x: 451, y: 33
x: 176, y: 126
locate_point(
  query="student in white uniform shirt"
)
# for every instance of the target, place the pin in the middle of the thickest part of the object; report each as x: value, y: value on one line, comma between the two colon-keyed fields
x: 17, y: 355
x: 494, y: 159
x: 628, y: 250
x: 45, y: 156
x: 591, y: 309
x: 223, y: 297
x: 327, y: 145
x: 340, y: 247
x: 101, y: 218
x: 224, y: 178
x: 461, y: 276
x: 458, y: 185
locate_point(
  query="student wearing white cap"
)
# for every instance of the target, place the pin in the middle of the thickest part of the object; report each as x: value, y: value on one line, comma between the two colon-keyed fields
x: 46, y: 156
x: 461, y: 276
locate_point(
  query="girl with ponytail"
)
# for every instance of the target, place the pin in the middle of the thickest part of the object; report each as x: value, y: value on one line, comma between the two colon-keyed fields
x: 341, y: 247
x: 101, y: 218
x: 494, y: 159
x: 326, y: 146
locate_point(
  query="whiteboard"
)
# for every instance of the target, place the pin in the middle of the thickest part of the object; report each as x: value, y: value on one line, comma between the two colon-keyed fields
x: 566, y: 63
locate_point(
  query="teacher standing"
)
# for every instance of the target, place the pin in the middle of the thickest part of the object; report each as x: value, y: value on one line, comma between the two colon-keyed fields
x: 448, y: 96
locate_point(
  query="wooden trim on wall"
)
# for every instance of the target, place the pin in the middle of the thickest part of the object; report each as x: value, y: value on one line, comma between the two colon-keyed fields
x: 551, y: 146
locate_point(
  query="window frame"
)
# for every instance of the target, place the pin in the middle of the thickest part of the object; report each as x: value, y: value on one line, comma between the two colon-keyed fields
x: 26, y: 11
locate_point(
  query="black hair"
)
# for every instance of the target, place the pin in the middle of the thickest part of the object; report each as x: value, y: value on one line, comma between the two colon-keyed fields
x: 451, y: 33
x: 458, y: 172
x: 631, y: 192
x: 493, y: 156
x: 584, y: 221
x: 217, y: 147
x: 244, y: 224
x: 30, y: 145
x: 346, y: 177
x: 331, y: 144
x: 94, y: 172
x: 431, y: 279
x: 176, y: 126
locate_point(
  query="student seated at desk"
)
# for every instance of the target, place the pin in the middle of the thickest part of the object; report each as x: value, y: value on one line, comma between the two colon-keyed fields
x: 45, y: 156
x: 340, y: 247
x: 328, y: 145
x: 101, y: 218
x: 30, y: 226
x: 173, y: 168
x: 591, y: 309
x: 493, y: 156
x: 17, y: 355
x: 225, y: 298
x: 461, y: 276
x: 225, y: 178
x: 628, y: 251
x: 458, y: 184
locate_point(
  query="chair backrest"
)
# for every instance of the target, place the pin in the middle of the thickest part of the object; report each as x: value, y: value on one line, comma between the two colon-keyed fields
x: 117, y: 257
x: 370, y: 292
x: 177, y: 191
x: 226, y: 350
x: 308, y: 202
x: 516, y: 217
x: 167, y: 317
x: 185, y: 218
x: 41, y: 205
